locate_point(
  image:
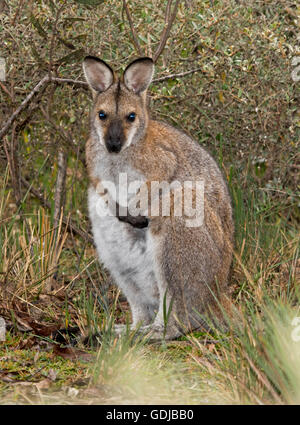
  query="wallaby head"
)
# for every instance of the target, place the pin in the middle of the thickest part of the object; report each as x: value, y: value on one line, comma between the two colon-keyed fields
x: 119, y: 115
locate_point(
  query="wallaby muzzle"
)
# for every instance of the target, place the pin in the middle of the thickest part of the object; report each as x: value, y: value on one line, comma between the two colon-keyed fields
x: 114, y: 138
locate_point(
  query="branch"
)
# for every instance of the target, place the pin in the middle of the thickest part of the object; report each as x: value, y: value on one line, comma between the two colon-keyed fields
x: 169, y: 19
x: 133, y: 33
x: 80, y: 83
x: 60, y: 186
x: 181, y: 74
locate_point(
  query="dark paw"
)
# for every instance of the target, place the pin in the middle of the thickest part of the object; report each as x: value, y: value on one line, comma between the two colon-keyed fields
x: 139, y: 222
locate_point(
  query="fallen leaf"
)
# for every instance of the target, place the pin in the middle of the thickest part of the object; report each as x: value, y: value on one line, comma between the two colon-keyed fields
x: 71, y: 353
x: 24, y: 324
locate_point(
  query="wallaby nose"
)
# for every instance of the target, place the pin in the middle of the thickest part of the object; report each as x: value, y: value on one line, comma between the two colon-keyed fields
x: 114, y: 144
x: 114, y: 137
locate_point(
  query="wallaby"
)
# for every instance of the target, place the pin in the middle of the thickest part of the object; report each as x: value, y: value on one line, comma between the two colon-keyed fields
x: 173, y: 274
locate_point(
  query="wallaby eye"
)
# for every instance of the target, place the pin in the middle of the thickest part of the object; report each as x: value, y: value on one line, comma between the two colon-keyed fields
x: 131, y: 116
x: 102, y: 115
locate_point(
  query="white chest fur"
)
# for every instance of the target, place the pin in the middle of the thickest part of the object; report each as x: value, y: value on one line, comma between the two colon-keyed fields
x: 127, y: 253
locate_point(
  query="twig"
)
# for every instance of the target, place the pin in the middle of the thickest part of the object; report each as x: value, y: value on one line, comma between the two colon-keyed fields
x: 133, y: 33
x: 5, y: 90
x: 53, y: 38
x: 169, y: 19
x: 70, y: 81
x: 60, y: 186
x: 182, y: 74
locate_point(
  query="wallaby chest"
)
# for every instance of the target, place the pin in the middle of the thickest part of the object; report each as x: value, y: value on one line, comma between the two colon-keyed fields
x: 120, y: 179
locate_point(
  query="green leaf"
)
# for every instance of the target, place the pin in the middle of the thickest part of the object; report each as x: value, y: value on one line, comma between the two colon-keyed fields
x: 36, y: 55
x: 71, y: 57
x: 67, y: 43
x: 38, y: 26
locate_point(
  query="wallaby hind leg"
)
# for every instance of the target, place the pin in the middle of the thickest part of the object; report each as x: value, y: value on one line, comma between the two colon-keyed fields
x: 187, y: 280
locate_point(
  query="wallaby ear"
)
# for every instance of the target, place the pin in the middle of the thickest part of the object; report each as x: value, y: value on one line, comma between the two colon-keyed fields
x: 98, y: 74
x: 138, y: 74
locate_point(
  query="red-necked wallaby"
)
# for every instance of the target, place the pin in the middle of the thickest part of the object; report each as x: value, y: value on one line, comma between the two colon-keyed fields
x: 173, y: 271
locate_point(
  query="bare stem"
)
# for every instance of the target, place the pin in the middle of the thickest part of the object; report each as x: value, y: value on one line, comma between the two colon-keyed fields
x: 169, y: 19
x: 133, y: 32
x: 179, y: 75
x: 60, y: 186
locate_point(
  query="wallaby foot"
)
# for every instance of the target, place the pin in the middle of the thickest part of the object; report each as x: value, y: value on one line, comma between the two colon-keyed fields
x: 153, y: 332
x: 157, y: 332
